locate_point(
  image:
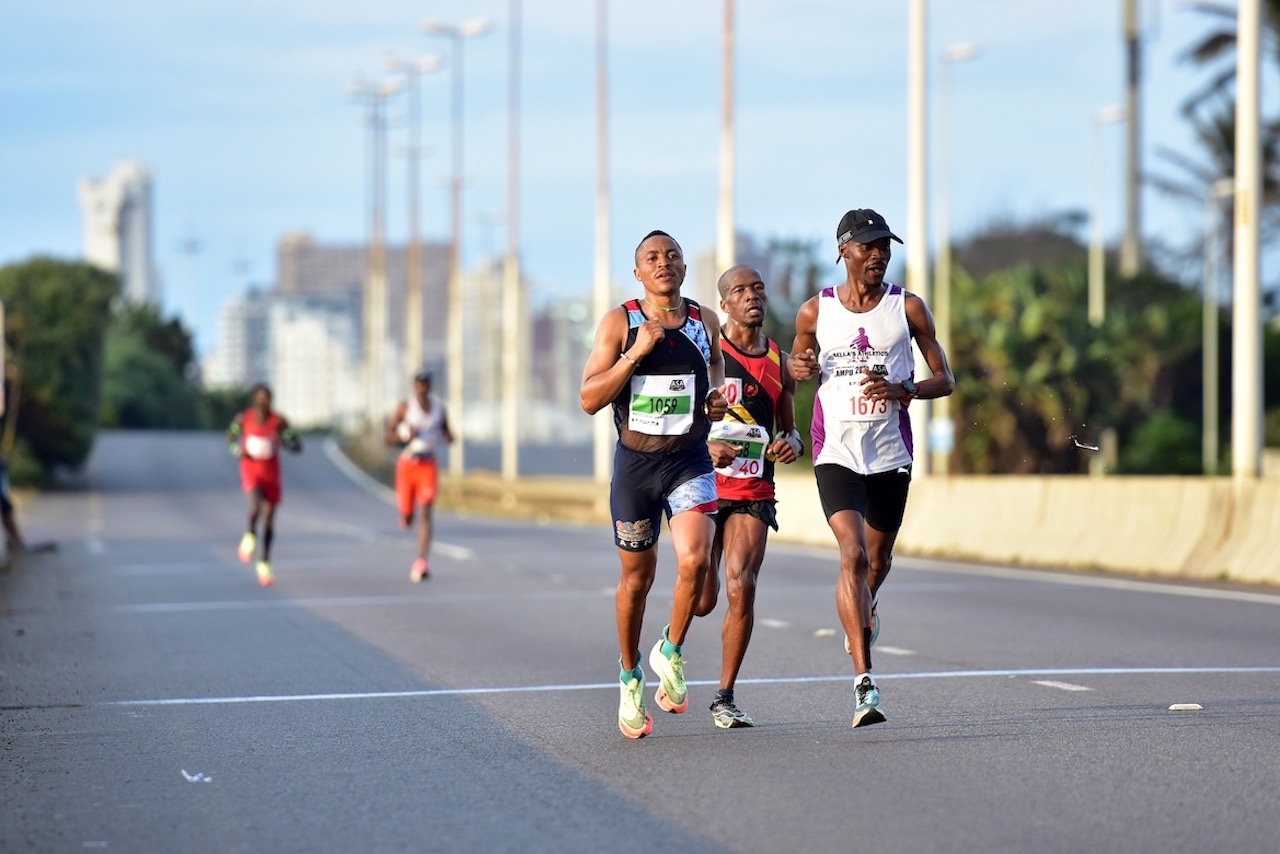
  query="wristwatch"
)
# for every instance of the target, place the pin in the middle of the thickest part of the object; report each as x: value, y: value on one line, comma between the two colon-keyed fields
x: 910, y: 388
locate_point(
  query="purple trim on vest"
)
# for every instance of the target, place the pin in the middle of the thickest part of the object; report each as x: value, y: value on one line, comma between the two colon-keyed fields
x: 904, y: 429
x: 828, y: 292
x: 817, y: 432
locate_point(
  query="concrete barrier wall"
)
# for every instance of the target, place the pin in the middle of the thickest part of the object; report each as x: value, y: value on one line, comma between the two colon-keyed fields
x: 1204, y: 528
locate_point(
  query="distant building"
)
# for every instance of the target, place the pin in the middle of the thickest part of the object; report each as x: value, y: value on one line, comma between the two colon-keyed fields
x: 315, y: 360
x: 117, y: 229
x: 241, y: 353
x: 306, y: 267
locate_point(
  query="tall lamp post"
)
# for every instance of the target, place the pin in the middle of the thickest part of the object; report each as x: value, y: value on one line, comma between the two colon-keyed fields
x: 917, y: 192
x: 454, y: 324
x: 1097, y: 248
x: 942, y: 432
x: 602, y: 423
x: 413, y: 71
x: 1221, y: 189
x: 512, y: 351
x: 726, y: 251
x: 375, y: 97
x: 1246, y: 322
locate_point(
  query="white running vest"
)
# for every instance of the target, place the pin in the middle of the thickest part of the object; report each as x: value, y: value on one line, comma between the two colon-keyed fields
x: 426, y: 428
x: 849, y: 429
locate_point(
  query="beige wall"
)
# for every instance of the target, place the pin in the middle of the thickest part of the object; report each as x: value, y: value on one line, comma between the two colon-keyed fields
x: 1188, y: 527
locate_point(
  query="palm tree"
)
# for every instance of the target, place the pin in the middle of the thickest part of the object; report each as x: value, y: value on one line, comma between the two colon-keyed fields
x: 1211, y: 111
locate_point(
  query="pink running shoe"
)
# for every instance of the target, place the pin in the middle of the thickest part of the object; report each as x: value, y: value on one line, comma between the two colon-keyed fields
x: 419, y: 571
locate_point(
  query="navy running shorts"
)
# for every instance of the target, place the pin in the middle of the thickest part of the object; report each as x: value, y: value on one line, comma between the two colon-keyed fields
x: 647, y: 485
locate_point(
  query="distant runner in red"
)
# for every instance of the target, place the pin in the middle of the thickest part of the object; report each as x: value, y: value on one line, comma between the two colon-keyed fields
x: 256, y: 437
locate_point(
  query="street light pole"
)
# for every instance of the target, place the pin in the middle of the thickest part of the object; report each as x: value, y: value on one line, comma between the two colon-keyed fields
x: 413, y: 71
x: 512, y: 350
x: 1246, y: 326
x: 375, y: 286
x: 942, y: 430
x: 726, y: 251
x: 602, y: 423
x: 1131, y: 246
x: 1220, y: 189
x: 1097, y: 297
x: 455, y: 330
x: 917, y: 200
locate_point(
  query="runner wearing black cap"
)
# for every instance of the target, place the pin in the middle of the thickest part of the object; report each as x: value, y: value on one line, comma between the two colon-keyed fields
x: 420, y: 428
x: 856, y: 338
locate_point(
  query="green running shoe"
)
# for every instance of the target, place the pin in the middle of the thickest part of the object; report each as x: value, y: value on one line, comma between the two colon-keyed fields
x: 633, y: 719
x: 671, y: 694
x: 248, y: 545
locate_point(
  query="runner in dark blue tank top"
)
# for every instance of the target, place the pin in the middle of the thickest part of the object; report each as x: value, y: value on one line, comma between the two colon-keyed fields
x: 657, y: 362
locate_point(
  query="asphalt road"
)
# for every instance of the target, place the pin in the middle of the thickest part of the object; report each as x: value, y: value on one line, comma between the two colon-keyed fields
x: 154, y: 698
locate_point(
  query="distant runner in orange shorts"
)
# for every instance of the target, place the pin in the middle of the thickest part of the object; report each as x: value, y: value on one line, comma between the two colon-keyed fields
x: 420, y: 428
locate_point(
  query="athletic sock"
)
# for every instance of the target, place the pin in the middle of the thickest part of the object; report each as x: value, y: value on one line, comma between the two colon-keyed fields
x: 725, y: 695
x: 625, y: 676
x: 667, y: 646
x: 857, y: 680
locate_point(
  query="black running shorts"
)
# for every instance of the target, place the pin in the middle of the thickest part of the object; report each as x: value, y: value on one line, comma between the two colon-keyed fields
x: 881, y: 498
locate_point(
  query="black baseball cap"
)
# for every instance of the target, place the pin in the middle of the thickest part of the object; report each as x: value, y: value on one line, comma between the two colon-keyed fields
x: 863, y: 225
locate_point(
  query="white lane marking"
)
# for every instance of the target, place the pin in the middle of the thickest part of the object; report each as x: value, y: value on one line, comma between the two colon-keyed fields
x: 894, y: 650
x: 613, y: 686
x: 1062, y: 686
x: 772, y: 623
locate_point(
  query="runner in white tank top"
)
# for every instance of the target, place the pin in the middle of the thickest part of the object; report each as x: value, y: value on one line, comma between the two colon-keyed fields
x: 419, y: 427
x: 857, y: 339
x: 422, y: 430
x: 850, y: 428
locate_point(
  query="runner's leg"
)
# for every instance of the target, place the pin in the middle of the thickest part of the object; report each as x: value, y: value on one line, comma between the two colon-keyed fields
x: 745, y: 537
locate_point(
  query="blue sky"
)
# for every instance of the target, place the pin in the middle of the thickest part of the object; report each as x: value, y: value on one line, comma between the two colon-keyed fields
x: 241, y: 111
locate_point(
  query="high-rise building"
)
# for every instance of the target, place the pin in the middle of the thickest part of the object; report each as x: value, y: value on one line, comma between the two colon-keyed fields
x: 240, y: 357
x: 117, y: 229
x: 304, y: 266
x: 314, y: 361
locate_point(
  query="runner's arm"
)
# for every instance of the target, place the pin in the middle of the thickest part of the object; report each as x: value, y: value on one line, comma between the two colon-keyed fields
x: 925, y: 333
x: 787, y: 445
x: 608, y: 369
x: 391, y: 435
x: 803, y: 362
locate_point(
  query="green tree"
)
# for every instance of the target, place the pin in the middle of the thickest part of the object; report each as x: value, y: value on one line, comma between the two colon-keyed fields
x: 57, y: 314
x: 1031, y: 372
x: 148, y: 364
